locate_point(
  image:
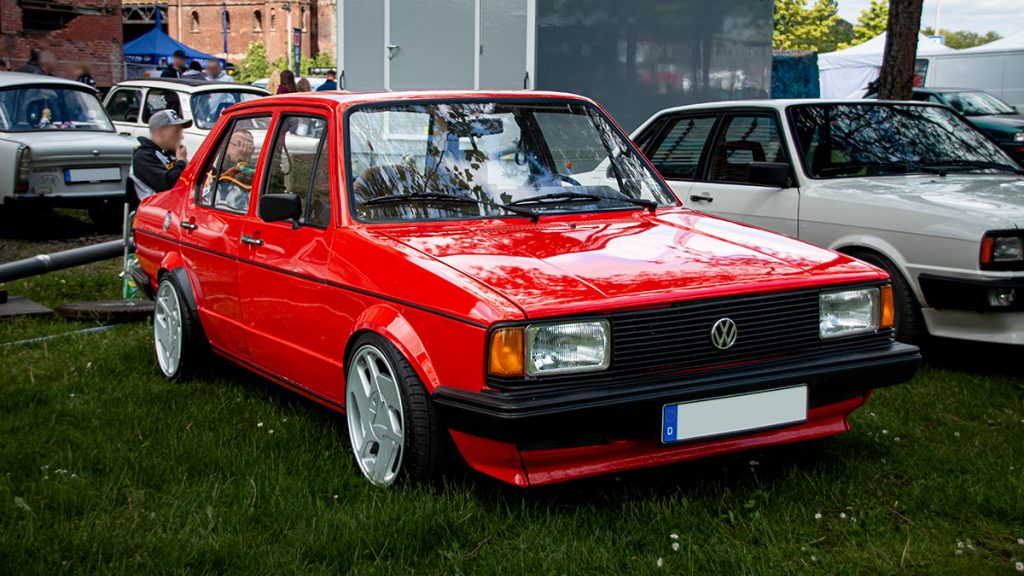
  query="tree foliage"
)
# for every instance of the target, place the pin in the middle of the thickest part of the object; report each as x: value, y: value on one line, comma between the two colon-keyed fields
x: 873, y: 21
x: 802, y: 27
x: 253, y: 65
x: 959, y: 39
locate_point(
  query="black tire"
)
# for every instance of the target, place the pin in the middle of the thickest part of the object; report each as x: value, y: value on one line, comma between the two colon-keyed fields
x: 908, y: 325
x: 423, y: 458
x: 192, y: 345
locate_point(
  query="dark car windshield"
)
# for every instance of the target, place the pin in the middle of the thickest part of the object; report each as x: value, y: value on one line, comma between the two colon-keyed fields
x: 879, y: 139
x: 30, y: 108
x: 208, y: 106
x: 977, y: 103
x: 458, y: 160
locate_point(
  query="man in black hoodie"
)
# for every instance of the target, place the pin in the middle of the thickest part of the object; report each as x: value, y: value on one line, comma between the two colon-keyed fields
x: 160, y: 159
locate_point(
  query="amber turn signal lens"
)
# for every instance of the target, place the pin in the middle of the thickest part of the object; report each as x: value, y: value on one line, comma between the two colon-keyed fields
x: 888, y: 317
x: 505, y: 357
x: 986, y: 250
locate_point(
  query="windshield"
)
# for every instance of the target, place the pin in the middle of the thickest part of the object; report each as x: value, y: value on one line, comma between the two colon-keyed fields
x: 978, y: 103
x: 26, y: 109
x: 851, y: 140
x: 208, y: 106
x: 459, y: 160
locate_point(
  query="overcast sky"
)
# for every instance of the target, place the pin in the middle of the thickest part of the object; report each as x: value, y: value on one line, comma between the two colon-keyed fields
x: 1004, y: 16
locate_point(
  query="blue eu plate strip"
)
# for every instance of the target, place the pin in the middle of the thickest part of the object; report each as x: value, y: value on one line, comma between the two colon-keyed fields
x: 669, y: 429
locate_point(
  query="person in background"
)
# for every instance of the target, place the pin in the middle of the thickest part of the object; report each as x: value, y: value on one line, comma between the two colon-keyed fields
x: 160, y: 159
x: 214, y: 73
x: 330, y: 83
x: 47, y: 62
x: 303, y: 85
x: 287, y: 83
x: 194, y: 72
x: 85, y: 75
x: 4, y: 66
x: 32, y: 66
x: 177, y: 66
x: 274, y: 82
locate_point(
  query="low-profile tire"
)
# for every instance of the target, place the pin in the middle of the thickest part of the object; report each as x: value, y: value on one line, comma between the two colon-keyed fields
x: 177, y: 336
x: 908, y: 325
x: 392, y: 426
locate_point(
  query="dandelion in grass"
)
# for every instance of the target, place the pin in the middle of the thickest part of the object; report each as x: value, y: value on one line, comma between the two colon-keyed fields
x: 259, y: 424
x: 1020, y: 541
x: 673, y: 536
x: 884, y: 431
x: 956, y: 434
x: 959, y: 544
x: 1019, y: 566
x: 271, y: 431
x: 842, y: 515
x: 675, y: 546
x: 661, y: 563
x: 958, y: 551
x: 817, y: 516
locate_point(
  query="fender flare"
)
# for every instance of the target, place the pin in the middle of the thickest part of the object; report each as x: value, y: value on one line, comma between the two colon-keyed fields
x: 876, y: 244
x: 388, y: 322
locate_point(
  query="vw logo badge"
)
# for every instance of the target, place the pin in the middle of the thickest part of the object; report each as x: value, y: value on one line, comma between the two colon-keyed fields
x: 723, y: 334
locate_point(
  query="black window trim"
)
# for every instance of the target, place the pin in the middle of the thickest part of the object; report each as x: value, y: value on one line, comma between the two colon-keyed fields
x: 349, y: 180
x: 668, y: 121
x: 325, y: 136
x: 225, y: 133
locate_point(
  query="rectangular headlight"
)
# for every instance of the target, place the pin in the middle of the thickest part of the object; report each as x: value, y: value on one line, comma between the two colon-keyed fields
x: 848, y: 312
x: 568, y: 347
x: 1007, y: 249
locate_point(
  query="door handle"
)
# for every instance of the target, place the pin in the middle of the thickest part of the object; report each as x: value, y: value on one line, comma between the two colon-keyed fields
x: 188, y: 225
x: 698, y: 198
x: 252, y: 240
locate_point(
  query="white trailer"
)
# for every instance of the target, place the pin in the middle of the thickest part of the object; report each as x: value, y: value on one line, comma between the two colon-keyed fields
x: 997, y: 68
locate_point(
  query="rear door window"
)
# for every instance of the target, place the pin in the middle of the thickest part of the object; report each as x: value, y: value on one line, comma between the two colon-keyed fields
x: 677, y: 155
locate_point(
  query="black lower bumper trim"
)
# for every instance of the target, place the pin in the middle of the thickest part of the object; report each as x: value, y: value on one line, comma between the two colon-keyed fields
x: 633, y: 410
x: 944, y: 292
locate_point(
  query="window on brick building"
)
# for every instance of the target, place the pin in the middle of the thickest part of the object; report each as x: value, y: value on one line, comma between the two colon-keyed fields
x: 273, y: 19
x: 257, y: 21
x: 195, y: 21
x: 227, y: 21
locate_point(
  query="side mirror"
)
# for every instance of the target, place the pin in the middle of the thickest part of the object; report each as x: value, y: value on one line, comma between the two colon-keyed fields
x: 774, y: 174
x: 278, y: 207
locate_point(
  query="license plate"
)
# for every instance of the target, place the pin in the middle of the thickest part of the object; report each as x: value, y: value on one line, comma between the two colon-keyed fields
x: 733, y: 414
x: 82, y: 175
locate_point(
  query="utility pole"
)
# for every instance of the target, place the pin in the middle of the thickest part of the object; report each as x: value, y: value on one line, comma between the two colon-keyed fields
x: 897, y: 77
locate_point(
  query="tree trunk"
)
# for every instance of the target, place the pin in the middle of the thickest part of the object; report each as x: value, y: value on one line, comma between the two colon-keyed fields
x: 897, y: 77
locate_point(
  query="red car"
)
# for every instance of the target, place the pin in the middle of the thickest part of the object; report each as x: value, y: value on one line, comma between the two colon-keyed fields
x: 504, y: 273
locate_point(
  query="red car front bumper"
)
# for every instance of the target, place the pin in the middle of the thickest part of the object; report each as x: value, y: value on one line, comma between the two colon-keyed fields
x: 531, y: 437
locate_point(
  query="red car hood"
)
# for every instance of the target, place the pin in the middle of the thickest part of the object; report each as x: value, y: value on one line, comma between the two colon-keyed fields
x: 587, y: 263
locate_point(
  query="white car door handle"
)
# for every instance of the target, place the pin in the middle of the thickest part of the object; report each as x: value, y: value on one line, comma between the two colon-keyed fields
x: 699, y: 198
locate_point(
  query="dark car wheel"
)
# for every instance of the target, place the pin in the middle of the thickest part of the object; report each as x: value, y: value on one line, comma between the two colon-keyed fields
x: 391, y: 423
x: 909, y: 325
x: 177, y: 336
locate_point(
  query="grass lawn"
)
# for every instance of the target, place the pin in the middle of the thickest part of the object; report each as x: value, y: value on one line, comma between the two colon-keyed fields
x: 106, y: 468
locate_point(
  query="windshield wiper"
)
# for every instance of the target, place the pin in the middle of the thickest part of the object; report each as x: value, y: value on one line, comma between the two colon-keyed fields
x: 571, y: 196
x: 428, y: 196
x: 977, y: 164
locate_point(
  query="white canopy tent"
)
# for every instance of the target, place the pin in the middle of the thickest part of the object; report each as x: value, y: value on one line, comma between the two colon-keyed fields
x: 844, y: 72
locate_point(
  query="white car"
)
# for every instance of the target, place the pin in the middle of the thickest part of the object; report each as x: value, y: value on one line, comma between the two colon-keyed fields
x: 131, y: 103
x: 909, y: 187
x: 58, y: 148
x: 314, y: 81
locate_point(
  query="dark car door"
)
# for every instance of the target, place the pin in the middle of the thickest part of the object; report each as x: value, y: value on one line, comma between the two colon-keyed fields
x: 212, y: 223
x: 288, y: 319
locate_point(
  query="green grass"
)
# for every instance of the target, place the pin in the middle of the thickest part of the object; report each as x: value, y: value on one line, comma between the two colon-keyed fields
x: 105, y: 468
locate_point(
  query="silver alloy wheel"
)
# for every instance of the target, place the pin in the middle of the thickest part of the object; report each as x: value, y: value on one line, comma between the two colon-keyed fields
x: 167, y: 332
x: 373, y: 406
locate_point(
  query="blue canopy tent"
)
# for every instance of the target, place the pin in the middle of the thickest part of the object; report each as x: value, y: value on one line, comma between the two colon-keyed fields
x: 153, y: 50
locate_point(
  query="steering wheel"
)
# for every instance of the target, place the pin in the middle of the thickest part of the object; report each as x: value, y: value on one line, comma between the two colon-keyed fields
x: 565, y: 178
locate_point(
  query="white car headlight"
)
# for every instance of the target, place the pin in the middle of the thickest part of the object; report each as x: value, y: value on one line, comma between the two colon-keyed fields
x: 1007, y: 249
x: 568, y: 347
x: 848, y: 312
x: 1018, y: 137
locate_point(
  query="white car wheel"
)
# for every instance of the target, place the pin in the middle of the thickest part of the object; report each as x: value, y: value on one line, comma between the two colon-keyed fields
x: 376, y: 421
x: 167, y: 329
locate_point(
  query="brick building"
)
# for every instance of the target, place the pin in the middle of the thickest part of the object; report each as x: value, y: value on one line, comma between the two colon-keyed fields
x: 199, y: 24
x: 82, y: 31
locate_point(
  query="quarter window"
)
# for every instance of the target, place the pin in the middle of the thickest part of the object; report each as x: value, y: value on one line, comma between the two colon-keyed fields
x: 300, y: 164
x: 742, y: 140
x: 677, y: 156
x: 227, y: 178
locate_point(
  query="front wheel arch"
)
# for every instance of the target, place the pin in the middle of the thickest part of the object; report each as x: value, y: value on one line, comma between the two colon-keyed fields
x: 910, y: 325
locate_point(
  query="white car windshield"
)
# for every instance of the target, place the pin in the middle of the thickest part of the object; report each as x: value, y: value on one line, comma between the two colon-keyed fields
x: 208, y: 106
x: 882, y: 139
x: 459, y: 160
x: 30, y: 108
